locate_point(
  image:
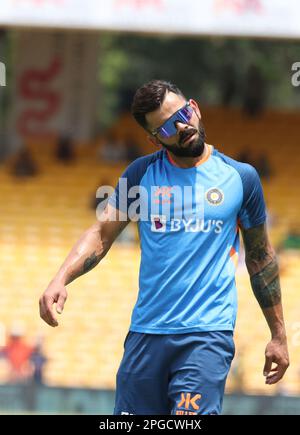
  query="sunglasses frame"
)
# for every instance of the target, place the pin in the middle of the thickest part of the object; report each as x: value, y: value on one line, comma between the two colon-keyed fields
x: 156, y: 132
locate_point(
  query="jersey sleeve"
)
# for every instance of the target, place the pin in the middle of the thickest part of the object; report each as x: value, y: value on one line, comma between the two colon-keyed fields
x: 253, y: 209
x: 131, y: 177
x: 119, y: 199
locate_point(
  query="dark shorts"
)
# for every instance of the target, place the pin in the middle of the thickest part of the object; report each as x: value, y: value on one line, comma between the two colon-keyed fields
x: 181, y: 374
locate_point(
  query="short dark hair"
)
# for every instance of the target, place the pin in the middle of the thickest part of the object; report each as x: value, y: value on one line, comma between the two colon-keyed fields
x: 149, y: 97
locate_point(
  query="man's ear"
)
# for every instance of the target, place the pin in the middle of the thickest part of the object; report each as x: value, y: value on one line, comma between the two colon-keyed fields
x: 195, y: 106
x: 153, y: 140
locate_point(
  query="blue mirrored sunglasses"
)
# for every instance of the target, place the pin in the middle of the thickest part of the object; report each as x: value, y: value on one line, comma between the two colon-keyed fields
x: 168, y: 128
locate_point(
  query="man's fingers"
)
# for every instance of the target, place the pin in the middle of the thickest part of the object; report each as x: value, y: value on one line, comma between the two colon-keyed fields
x: 268, y: 365
x: 46, y: 311
x: 49, y: 312
x: 55, y: 294
x: 273, y: 380
x: 60, y: 303
x: 276, y: 353
x: 277, y: 374
x: 275, y: 377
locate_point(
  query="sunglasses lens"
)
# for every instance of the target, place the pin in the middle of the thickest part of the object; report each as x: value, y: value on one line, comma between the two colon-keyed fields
x: 185, y: 114
x: 168, y: 129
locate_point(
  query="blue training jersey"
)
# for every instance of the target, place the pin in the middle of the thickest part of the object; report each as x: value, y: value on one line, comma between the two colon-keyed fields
x: 188, y: 221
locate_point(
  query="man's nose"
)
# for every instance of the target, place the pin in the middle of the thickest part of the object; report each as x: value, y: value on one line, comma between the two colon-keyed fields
x: 180, y: 126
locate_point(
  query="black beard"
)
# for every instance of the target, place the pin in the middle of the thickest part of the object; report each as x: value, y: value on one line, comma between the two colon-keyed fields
x: 194, y: 149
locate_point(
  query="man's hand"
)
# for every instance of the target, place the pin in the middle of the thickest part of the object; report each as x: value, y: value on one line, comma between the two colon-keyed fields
x: 55, y: 293
x: 276, y: 352
x: 89, y: 250
x: 263, y: 269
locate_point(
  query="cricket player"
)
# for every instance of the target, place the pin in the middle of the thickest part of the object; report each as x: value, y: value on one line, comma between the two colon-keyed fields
x: 190, y: 203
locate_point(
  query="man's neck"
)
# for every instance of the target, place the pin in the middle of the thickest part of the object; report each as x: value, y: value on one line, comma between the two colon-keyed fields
x: 189, y: 162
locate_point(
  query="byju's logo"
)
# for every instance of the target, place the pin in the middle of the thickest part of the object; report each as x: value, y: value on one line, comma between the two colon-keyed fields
x: 158, y: 223
x: 296, y: 77
x: 2, y: 74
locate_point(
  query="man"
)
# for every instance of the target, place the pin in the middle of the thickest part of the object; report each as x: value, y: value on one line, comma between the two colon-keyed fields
x: 192, y: 200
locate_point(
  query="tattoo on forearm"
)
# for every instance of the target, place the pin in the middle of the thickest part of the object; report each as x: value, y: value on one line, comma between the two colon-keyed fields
x: 266, y: 286
x: 91, y: 262
x: 255, y: 244
x: 262, y: 266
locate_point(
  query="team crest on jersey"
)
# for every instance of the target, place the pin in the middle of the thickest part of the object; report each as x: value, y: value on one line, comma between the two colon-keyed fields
x: 158, y: 223
x: 214, y: 196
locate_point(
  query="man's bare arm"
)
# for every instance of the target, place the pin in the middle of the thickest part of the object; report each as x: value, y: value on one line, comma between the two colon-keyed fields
x: 263, y: 269
x: 92, y: 246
